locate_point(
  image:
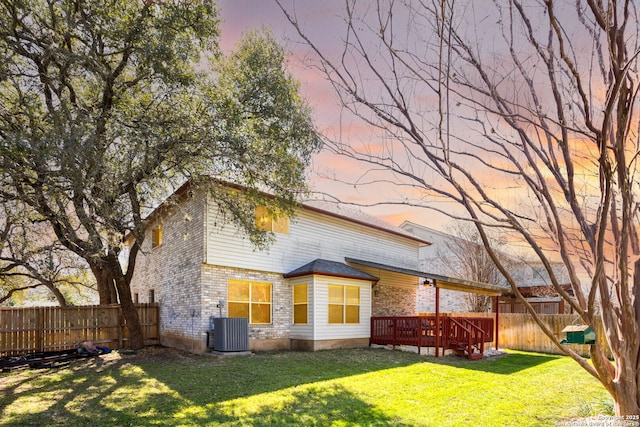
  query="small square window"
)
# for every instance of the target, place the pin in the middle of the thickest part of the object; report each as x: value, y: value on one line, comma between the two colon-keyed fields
x: 264, y: 221
x: 344, y: 304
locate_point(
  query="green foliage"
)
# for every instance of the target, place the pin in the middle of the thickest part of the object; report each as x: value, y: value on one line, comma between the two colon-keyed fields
x: 103, y: 112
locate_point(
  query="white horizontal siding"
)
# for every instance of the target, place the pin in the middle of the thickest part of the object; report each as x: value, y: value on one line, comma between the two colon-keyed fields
x: 312, y: 235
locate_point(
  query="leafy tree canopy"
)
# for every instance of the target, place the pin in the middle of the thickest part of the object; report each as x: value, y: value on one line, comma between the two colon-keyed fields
x: 105, y: 106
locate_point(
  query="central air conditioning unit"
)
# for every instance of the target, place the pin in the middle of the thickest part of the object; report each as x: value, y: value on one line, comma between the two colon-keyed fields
x: 230, y: 334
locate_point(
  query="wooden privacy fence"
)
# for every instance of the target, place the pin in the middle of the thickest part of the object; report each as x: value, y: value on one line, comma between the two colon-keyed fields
x: 38, y: 329
x: 518, y: 331
x: 521, y: 332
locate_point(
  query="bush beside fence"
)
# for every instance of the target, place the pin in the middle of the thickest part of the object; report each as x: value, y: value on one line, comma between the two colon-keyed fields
x: 38, y: 329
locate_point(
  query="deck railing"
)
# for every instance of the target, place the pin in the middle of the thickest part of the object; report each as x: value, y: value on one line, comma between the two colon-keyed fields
x: 421, y: 331
x: 464, y: 337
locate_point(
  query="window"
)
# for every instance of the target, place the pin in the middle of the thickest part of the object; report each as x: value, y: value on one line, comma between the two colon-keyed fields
x: 152, y: 296
x: 344, y: 304
x: 300, y: 304
x: 136, y: 298
x: 251, y: 300
x: 156, y: 239
x: 266, y: 222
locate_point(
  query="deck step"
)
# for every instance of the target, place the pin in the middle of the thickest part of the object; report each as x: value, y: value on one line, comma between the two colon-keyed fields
x: 462, y: 351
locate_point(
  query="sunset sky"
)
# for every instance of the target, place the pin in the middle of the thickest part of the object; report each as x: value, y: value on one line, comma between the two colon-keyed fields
x: 322, y: 22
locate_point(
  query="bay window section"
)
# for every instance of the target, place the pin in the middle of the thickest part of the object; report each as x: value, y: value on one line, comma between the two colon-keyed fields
x: 344, y: 304
x: 300, y: 304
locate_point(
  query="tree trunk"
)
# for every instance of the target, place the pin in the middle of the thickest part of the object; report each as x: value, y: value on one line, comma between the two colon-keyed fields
x: 625, y: 397
x: 106, y: 284
x: 113, y: 287
x: 130, y: 313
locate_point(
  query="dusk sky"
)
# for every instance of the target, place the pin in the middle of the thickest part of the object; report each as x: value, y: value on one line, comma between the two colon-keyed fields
x: 322, y: 22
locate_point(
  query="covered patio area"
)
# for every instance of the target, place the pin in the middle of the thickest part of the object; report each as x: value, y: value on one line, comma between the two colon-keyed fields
x: 466, y: 335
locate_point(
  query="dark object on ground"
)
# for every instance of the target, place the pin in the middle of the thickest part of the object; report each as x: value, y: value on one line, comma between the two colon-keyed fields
x: 47, y: 359
x: 51, y: 359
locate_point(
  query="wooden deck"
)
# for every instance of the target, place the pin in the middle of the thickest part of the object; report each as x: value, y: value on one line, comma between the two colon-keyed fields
x: 465, y: 335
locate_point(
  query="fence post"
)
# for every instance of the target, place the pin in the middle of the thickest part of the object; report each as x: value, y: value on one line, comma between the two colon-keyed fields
x: 39, y: 329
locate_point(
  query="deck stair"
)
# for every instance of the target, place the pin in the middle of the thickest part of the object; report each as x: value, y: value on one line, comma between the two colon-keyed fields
x: 464, y: 335
x: 465, y: 338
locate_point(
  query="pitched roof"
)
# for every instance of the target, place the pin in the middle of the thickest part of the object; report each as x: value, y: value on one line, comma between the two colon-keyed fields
x: 330, y: 268
x: 335, y: 210
x: 438, y: 280
x: 357, y: 216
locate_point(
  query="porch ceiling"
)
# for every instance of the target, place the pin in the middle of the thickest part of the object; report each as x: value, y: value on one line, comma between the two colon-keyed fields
x: 438, y: 280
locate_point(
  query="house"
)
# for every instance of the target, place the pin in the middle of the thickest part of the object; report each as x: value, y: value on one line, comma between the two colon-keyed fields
x: 532, y: 278
x: 535, y: 285
x: 317, y: 286
x: 430, y: 258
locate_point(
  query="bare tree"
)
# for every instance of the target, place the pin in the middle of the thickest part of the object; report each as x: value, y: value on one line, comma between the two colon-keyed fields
x: 464, y: 255
x: 522, y: 115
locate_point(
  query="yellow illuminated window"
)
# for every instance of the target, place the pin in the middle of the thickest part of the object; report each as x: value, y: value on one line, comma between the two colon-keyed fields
x: 156, y: 239
x: 344, y: 304
x: 300, y: 304
x: 266, y: 222
x: 251, y: 300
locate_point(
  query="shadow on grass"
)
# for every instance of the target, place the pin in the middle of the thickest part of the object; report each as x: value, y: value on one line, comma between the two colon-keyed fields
x: 308, y: 407
x: 507, y: 364
x: 198, y: 390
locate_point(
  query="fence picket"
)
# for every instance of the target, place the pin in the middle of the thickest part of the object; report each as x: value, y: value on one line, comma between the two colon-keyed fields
x: 518, y: 331
x: 37, y: 329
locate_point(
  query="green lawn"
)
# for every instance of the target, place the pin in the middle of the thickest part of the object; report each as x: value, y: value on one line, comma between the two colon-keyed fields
x: 364, y: 387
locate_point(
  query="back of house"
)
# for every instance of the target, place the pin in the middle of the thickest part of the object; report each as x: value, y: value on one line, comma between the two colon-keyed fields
x: 317, y: 286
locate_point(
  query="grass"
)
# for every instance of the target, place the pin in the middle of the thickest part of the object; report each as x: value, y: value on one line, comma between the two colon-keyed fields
x: 364, y: 387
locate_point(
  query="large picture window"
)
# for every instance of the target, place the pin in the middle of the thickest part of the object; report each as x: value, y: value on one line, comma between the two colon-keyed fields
x: 344, y: 304
x: 300, y: 304
x: 251, y: 300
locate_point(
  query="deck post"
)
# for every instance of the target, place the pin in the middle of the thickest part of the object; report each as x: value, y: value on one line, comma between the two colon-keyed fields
x: 437, y: 318
x: 497, y: 313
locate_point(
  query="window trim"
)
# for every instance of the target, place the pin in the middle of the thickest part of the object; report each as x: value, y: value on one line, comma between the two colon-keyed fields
x: 344, y: 304
x: 157, y: 236
x: 264, y: 221
x: 249, y: 302
x: 305, y: 303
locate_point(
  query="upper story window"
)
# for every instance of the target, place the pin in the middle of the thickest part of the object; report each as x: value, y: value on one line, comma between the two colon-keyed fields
x: 156, y: 236
x: 266, y: 222
x: 344, y: 304
x: 251, y: 300
x: 300, y: 304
